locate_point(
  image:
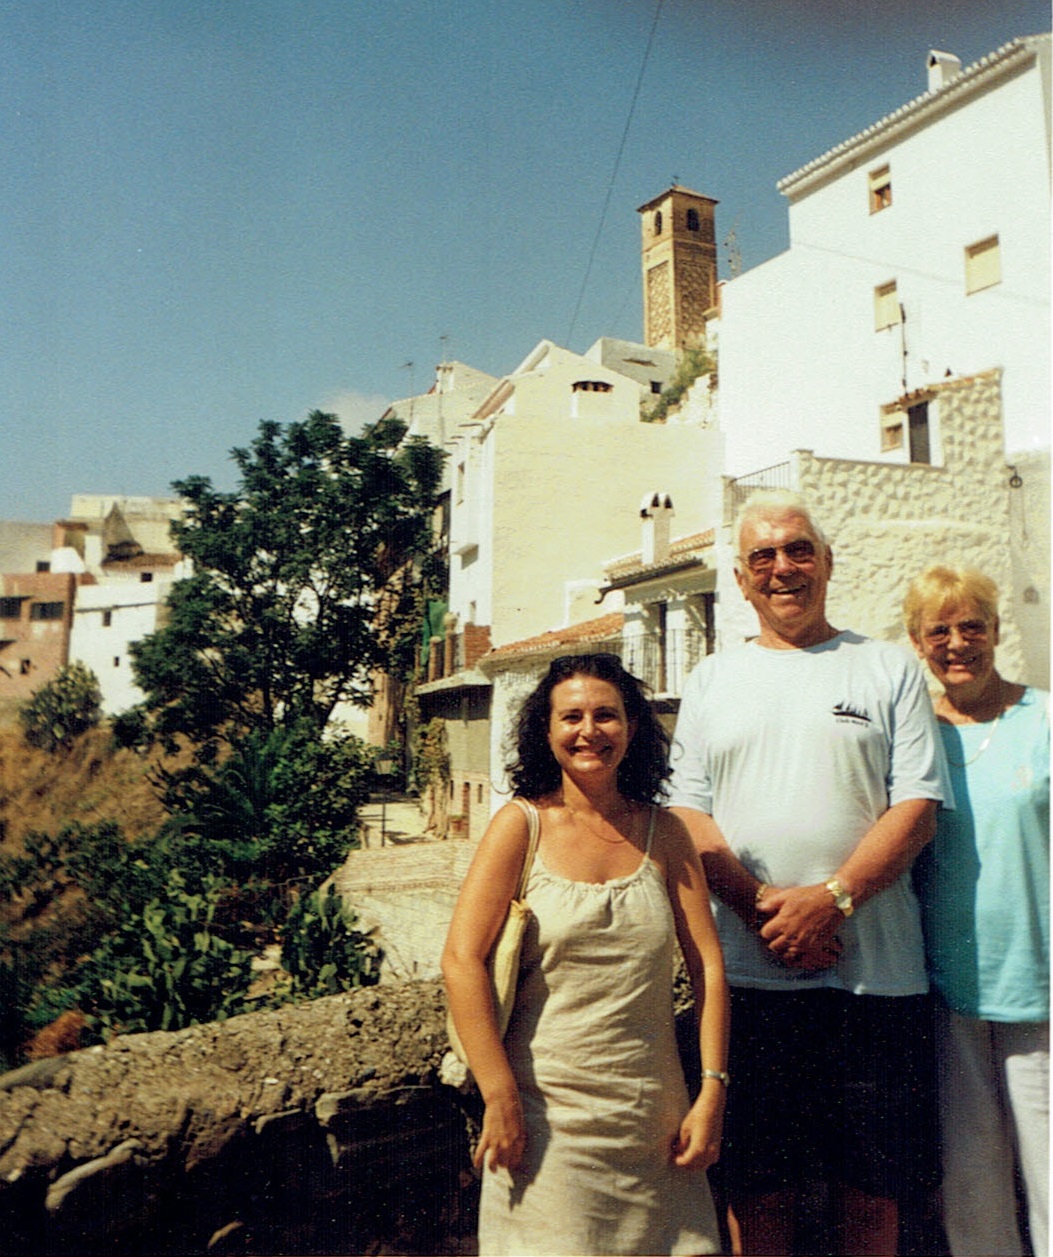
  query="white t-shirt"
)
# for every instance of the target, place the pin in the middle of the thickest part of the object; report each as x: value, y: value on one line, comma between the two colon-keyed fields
x: 795, y: 754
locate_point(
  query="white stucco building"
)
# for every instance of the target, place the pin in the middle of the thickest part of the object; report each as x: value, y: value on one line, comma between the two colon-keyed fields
x: 123, y: 547
x: 541, y: 474
x: 919, y: 252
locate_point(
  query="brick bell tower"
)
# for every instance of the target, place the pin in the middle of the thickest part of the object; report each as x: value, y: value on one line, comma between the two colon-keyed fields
x: 679, y: 254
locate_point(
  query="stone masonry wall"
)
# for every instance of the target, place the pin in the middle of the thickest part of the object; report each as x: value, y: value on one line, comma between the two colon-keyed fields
x: 316, y: 1128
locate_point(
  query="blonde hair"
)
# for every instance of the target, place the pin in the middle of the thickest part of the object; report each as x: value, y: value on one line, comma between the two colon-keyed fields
x: 940, y: 586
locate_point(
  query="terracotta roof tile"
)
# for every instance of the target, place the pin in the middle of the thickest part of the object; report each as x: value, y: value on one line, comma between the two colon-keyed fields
x: 598, y: 630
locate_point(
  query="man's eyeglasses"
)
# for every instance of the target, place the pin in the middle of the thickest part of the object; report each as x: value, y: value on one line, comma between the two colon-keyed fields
x: 763, y: 558
x: 969, y: 630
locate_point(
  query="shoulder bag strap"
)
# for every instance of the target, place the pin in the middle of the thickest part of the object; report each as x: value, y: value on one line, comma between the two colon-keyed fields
x: 534, y: 826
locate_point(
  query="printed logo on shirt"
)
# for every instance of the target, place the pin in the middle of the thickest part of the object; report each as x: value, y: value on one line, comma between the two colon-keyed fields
x: 844, y: 712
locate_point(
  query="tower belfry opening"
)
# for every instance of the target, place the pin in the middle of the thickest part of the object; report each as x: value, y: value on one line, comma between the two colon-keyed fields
x: 679, y: 256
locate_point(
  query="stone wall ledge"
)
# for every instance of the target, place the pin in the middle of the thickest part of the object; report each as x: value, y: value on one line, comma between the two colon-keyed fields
x: 320, y: 1128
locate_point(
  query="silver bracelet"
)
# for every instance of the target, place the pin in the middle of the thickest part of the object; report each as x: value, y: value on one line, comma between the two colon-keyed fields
x: 719, y: 1075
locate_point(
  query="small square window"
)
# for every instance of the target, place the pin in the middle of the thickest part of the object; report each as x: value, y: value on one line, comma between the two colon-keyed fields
x: 880, y: 189
x: 887, y: 312
x: 10, y: 608
x: 146, y: 577
x: 983, y: 265
x: 892, y: 431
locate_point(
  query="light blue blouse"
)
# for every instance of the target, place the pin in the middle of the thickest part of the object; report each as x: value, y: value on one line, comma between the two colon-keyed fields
x: 983, y: 882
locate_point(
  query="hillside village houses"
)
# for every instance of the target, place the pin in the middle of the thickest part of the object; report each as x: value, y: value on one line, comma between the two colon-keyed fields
x: 892, y: 364
x: 835, y: 400
x: 84, y: 589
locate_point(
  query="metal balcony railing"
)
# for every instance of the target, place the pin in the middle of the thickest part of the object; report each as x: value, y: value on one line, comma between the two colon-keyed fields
x: 778, y: 476
x: 663, y: 661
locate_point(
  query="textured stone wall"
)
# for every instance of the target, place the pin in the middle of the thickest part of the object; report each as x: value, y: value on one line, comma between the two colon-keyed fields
x: 887, y: 522
x: 318, y: 1128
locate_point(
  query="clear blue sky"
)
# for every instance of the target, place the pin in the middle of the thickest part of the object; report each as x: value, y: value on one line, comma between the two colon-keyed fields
x: 219, y: 212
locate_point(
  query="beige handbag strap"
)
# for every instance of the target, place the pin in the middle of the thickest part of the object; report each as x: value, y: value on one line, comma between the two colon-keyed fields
x: 534, y: 826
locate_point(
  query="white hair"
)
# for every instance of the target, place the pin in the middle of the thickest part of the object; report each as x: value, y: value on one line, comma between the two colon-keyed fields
x: 770, y: 503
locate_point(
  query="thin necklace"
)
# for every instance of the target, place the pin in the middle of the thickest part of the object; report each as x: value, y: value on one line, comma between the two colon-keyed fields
x: 964, y: 763
x: 613, y: 842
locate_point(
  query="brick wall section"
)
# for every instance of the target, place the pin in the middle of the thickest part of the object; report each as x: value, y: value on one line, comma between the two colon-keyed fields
x: 32, y: 650
x: 476, y: 643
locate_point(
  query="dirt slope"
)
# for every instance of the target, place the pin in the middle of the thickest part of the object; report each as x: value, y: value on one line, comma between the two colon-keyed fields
x: 89, y: 783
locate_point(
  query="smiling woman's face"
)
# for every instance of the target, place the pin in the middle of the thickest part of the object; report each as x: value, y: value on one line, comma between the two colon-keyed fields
x: 588, y: 730
x: 958, y: 643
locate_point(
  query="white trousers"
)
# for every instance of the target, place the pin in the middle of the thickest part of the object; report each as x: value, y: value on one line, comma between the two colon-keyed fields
x: 994, y: 1120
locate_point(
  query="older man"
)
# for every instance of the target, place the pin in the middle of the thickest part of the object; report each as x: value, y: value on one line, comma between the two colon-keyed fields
x: 807, y: 767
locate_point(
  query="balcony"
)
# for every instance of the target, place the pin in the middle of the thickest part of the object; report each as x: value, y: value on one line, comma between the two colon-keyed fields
x: 661, y: 661
x: 778, y: 476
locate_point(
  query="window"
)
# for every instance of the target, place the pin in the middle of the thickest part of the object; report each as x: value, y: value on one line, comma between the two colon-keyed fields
x: 886, y: 306
x: 24, y: 666
x: 692, y: 219
x: 656, y: 386
x: 918, y: 432
x: 983, y: 265
x: 46, y: 610
x: 10, y: 608
x: 658, y: 222
x: 879, y: 183
x: 107, y: 619
x: 146, y: 577
x: 116, y: 661
x: 43, y: 565
x: 892, y: 431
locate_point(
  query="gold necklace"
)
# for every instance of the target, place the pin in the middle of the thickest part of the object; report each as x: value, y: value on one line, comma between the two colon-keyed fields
x: 964, y: 763
x: 613, y: 842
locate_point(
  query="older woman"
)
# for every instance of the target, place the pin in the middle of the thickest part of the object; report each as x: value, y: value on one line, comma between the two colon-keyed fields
x: 984, y: 891
x: 590, y: 1143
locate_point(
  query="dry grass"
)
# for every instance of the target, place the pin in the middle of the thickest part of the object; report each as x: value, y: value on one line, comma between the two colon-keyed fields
x: 90, y: 782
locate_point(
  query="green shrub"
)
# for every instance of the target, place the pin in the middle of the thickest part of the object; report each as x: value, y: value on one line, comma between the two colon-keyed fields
x: 322, y: 951
x: 166, y: 967
x: 64, y: 707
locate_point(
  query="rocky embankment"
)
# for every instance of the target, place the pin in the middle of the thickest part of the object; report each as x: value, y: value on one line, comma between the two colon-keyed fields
x: 316, y: 1128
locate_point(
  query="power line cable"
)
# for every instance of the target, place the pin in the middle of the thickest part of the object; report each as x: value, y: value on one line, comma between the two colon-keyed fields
x: 614, y: 173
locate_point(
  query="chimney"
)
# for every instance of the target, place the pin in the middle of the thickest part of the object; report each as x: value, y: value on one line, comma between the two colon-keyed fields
x: 656, y: 511
x: 943, y: 68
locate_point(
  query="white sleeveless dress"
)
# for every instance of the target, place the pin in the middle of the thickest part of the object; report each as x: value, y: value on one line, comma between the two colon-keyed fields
x: 593, y: 1047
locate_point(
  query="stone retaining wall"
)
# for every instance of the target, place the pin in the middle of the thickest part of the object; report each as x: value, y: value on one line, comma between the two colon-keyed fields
x: 317, y: 1128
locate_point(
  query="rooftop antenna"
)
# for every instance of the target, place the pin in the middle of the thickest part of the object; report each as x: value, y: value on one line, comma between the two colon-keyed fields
x: 731, y: 243
x: 408, y: 366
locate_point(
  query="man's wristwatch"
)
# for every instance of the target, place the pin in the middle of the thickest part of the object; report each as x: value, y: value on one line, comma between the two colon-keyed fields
x: 841, y: 896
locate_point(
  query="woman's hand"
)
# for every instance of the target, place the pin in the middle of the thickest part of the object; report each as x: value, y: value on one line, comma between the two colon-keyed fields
x: 698, y: 1143
x: 504, y: 1135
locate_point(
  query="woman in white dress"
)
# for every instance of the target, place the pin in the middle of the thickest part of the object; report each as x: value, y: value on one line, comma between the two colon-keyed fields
x: 590, y: 1144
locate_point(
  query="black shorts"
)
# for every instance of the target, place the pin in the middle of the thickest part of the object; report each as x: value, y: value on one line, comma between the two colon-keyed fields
x: 831, y: 1086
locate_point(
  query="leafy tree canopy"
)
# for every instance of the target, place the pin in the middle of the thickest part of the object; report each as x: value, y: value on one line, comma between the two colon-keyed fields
x: 307, y: 580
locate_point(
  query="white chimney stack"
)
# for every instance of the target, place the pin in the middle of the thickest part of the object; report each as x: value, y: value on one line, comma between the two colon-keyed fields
x: 656, y: 511
x: 943, y: 67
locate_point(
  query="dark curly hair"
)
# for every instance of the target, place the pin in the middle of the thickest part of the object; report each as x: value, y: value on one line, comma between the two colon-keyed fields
x: 641, y: 774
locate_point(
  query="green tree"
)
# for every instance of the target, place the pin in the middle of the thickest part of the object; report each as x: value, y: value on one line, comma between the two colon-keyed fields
x: 64, y: 707
x: 280, y: 808
x: 307, y: 581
